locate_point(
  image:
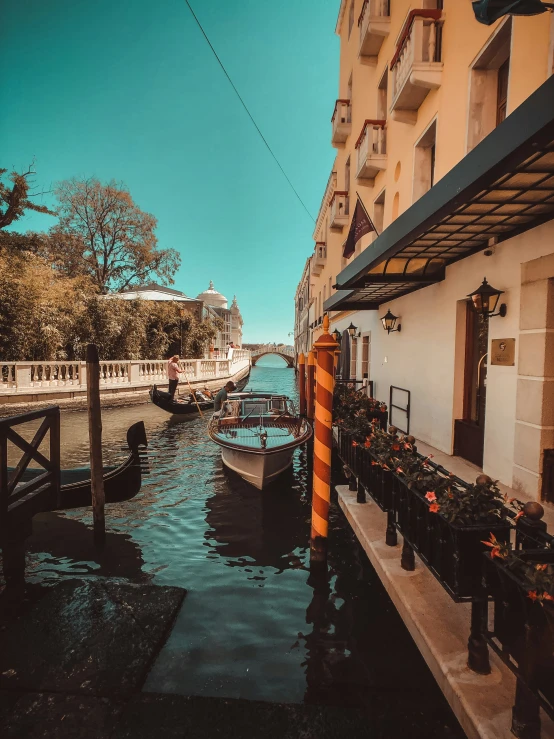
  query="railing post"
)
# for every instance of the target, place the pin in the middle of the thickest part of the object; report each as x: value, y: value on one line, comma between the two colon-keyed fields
x: 325, y: 347
x: 55, y: 449
x: 22, y: 375
x: 134, y: 372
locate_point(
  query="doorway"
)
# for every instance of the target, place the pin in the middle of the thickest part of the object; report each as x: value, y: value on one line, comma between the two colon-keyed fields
x: 469, y: 431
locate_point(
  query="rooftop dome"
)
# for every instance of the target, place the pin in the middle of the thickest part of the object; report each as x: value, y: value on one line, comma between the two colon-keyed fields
x: 212, y: 297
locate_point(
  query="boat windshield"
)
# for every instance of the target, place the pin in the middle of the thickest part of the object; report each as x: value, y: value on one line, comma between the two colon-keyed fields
x: 253, y: 407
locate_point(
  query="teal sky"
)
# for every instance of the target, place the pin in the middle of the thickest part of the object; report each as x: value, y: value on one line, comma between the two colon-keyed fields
x: 130, y: 90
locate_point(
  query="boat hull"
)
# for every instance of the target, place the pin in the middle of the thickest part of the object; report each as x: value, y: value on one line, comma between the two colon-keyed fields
x: 259, y: 470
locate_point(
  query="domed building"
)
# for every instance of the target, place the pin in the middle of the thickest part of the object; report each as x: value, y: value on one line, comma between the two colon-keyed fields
x: 212, y: 297
x: 231, y: 317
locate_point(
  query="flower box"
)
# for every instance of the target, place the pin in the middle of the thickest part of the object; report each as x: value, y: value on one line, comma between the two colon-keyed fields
x: 523, y: 627
x: 380, y: 484
x: 453, y: 552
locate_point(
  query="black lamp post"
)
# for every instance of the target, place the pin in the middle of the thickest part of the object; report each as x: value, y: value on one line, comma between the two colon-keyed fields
x: 489, y: 11
x: 389, y: 322
x: 485, y: 299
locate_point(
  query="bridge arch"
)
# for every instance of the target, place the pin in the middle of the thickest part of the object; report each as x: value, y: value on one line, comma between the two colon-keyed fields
x: 284, y: 352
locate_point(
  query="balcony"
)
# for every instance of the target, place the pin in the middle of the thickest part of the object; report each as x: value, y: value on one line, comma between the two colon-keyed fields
x: 374, y: 24
x: 340, y: 209
x: 320, y: 257
x: 372, y: 150
x: 341, y: 122
x: 416, y: 66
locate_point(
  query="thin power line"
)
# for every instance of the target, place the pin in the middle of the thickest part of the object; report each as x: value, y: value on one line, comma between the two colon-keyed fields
x: 247, y: 111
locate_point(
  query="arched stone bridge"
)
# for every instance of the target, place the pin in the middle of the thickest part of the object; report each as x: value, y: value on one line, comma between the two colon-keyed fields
x: 286, y: 352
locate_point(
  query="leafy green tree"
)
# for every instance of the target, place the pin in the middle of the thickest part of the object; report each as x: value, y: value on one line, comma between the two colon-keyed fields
x: 102, y: 233
x: 15, y: 197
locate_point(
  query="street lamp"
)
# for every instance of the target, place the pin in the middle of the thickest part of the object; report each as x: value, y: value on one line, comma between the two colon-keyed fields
x: 352, y: 330
x: 389, y: 322
x: 485, y: 299
x: 336, y: 335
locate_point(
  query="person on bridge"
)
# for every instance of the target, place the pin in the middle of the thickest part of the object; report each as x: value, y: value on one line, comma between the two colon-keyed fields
x: 173, y: 372
x: 221, y: 397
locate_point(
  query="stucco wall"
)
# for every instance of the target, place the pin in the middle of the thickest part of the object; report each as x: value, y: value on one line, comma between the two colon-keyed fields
x: 422, y: 357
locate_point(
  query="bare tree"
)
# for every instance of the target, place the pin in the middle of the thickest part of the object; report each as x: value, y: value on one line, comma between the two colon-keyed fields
x: 14, y: 199
x: 102, y: 233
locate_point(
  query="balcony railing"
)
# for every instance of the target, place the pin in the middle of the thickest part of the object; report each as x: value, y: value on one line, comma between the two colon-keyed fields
x: 372, y: 149
x: 341, y: 121
x: 416, y: 66
x: 320, y: 257
x: 374, y: 24
x: 340, y: 209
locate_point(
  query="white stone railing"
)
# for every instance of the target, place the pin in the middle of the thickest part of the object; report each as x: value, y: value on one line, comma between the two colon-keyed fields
x: 373, y: 140
x: 418, y: 45
x: 32, y: 377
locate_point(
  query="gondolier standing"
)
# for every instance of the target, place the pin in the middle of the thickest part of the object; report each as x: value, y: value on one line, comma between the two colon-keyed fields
x: 173, y: 373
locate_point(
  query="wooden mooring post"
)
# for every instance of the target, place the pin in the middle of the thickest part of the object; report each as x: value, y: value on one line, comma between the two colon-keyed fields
x: 302, y: 382
x: 325, y: 348
x: 310, y: 386
x: 95, y: 440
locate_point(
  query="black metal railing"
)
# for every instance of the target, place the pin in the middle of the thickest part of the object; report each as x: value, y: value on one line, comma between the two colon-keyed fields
x: 455, y: 555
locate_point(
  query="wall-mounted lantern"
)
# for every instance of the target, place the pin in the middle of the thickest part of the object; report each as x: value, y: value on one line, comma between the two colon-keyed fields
x: 389, y: 322
x: 485, y: 299
x: 352, y: 330
x: 336, y: 335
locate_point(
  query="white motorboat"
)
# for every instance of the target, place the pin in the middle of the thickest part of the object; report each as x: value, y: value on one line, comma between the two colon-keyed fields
x: 258, y: 433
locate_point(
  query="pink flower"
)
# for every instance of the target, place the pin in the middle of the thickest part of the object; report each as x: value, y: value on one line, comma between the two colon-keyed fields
x: 399, y: 471
x: 431, y: 497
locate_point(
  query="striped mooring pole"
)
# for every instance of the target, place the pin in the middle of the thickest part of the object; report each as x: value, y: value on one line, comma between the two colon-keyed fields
x: 310, y: 385
x: 325, y: 348
x: 302, y: 382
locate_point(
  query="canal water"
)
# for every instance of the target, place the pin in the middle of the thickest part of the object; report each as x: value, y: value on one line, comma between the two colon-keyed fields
x: 255, y: 624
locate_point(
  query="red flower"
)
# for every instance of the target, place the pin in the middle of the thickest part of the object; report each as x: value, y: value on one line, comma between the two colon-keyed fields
x: 399, y: 471
x: 533, y: 595
x: 434, y: 507
x: 541, y: 568
x: 519, y: 515
x: 354, y: 443
x: 396, y: 447
x: 431, y: 497
x: 547, y: 596
x: 367, y: 444
x: 407, y: 446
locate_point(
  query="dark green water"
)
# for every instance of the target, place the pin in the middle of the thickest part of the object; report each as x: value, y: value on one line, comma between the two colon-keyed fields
x: 254, y: 624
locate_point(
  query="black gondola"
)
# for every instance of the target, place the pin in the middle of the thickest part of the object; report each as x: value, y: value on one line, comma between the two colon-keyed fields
x: 164, y: 401
x: 121, y: 482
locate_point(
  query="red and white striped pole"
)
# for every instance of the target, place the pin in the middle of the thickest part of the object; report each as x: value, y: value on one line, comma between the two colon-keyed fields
x: 325, y: 348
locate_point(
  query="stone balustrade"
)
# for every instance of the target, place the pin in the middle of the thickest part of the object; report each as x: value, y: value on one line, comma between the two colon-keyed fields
x: 37, y: 377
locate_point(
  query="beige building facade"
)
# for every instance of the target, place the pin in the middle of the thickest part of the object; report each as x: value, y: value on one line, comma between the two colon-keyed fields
x: 444, y: 128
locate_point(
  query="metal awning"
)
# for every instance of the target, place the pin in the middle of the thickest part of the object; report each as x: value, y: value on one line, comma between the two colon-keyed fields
x: 505, y: 186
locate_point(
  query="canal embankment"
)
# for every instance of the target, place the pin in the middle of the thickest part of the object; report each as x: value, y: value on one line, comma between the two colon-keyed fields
x: 118, y: 387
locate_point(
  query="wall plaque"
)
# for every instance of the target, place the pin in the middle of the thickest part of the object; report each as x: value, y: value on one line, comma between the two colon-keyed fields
x: 503, y: 351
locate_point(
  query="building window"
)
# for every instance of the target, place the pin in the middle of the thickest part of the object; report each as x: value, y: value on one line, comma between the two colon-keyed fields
x: 424, y: 162
x: 379, y: 212
x: 349, y: 96
x: 489, y: 85
x: 330, y: 285
x: 350, y: 18
x: 365, y: 357
x: 502, y: 92
x: 354, y: 358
